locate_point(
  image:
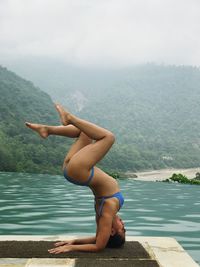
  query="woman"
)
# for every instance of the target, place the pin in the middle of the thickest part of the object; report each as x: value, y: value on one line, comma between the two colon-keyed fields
x: 79, y: 168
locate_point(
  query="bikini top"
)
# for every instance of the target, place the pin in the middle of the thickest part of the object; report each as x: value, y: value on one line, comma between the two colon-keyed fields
x: 118, y: 195
x: 73, y: 181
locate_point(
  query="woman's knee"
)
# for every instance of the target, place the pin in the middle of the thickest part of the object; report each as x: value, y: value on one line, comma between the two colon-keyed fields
x: 110, y: 137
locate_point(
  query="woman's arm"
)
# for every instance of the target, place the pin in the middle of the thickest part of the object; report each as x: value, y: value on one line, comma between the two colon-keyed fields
x: 77, y: 241
x: 68, y: 248
x: 102, y: 237
x: 99, y: 242
x: 86, y: 240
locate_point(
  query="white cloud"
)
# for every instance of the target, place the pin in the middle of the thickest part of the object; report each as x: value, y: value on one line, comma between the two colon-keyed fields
x: 111, y: 32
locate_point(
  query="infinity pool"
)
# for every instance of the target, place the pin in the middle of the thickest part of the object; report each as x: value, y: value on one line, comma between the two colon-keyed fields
x: 33, y: 204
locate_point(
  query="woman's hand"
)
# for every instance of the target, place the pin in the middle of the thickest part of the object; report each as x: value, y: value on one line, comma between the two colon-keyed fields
x: 61, y: 249
x: 67, y: 242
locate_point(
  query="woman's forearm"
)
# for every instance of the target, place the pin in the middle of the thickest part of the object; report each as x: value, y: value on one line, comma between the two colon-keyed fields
x: 86, y: 240
x: 72, y: 247
x: 85, y: 247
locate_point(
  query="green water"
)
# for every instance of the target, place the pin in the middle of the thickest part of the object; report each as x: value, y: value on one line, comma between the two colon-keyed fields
x: 48, y: 205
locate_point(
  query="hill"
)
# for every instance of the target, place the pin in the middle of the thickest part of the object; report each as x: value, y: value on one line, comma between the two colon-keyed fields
x: 153, y: 110
x: 20, y: 148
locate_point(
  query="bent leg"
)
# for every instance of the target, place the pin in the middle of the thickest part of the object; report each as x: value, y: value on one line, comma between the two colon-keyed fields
x: 82, y: 141
x: 68, y: 131
x: 46, y: 130
x: 89, y: 155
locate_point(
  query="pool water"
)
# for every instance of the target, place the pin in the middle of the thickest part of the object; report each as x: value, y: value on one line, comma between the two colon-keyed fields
x: 48, y: 205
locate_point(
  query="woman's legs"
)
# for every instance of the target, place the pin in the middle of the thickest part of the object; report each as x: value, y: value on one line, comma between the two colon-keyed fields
x: 92, y: 153
x: 82, y: 141
x: 68, y: 131
x: 46, y: 130
x: 83, y: 154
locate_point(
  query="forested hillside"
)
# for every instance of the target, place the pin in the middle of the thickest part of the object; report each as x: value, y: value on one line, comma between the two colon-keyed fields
x: 153, y: 110
x: 20, y: 148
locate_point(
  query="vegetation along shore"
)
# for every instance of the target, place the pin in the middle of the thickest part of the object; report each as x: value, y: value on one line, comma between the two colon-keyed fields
x: 143, y: 106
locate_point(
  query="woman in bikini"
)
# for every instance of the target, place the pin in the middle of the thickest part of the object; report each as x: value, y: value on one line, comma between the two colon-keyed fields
x: 92, y: 143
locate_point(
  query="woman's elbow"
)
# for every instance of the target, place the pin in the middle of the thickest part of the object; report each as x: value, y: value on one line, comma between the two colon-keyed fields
x: 99, y: 248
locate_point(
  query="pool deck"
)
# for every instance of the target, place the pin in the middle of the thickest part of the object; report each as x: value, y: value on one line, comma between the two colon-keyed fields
x: 163, y: 252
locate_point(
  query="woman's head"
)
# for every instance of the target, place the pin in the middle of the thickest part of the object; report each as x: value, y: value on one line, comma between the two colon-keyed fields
x: 117, y: 237
x: 115, y: 241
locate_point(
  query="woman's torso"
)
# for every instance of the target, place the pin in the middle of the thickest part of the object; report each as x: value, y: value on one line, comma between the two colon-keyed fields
x: 99, y: 182
x: 103, y: 184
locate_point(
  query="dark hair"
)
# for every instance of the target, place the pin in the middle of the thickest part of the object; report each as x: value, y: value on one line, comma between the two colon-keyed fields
x: 115, y: 241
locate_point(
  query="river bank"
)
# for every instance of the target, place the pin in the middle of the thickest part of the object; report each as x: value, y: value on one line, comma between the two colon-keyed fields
x: 160, y: 175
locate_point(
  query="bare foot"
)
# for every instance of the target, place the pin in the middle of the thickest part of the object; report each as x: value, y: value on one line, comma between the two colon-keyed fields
x: 39, y: 128
x: 64, y: 115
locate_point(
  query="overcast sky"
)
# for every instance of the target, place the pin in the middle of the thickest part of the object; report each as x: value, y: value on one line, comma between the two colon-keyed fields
x: 101, y: 32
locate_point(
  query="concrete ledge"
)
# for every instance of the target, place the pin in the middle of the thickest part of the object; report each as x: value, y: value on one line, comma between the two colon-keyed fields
x: 90, y: 263
x: 167, y: 252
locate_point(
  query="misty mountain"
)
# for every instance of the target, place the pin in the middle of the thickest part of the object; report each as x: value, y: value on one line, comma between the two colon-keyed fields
x: 153, y: 110
x: 20, y: 148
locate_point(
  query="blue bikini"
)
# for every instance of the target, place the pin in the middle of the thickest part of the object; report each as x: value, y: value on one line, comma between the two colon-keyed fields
x: 102, y: 199
x: 118, y: 195
x: 71, y: 180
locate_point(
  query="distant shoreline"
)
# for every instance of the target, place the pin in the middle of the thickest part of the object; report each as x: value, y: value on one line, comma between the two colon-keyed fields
x: 160, y: 175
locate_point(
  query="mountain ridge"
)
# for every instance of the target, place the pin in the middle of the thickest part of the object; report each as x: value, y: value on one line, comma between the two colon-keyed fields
x: 153, y: 111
